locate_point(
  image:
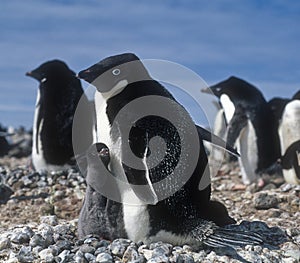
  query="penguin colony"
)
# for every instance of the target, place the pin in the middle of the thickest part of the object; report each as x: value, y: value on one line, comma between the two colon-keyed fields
x: 266, y: 134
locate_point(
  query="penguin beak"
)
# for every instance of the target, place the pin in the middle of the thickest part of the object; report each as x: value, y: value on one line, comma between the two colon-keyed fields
x: 86, y: 75
x: 207, y: 91
x: 34, y: 74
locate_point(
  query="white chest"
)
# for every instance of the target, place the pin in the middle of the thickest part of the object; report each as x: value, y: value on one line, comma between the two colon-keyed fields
x: 228, y: 107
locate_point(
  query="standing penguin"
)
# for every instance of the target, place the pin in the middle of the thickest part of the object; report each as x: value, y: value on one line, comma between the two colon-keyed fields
x: 250, y: 126
x: 287, y: 115
x: 181, y: 217
x: 58, y: 95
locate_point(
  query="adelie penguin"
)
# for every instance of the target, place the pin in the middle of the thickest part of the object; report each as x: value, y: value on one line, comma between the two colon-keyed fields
x: 287, y: 118
x: 58, y: 96
x: 251, y: 126
x: 179, y: 218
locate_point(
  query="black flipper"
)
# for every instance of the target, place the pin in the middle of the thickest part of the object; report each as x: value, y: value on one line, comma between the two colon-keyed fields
x: 213, y: 236
x: 214, y: 139
x: 237, y: 123
x: 229, y: 238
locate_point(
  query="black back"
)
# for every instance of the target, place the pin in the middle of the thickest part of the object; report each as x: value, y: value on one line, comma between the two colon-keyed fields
x: 60, y: 92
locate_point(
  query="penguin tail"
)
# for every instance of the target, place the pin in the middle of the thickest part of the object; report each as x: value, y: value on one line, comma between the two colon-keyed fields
x: 232, y: 238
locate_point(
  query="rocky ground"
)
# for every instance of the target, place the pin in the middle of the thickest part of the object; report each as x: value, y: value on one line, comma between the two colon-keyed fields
x: 38, y: 218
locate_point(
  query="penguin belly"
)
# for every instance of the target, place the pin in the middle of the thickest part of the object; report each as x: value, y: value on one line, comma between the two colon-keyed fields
x: 290, y: 176
x: 289, y: 128
x: 247, y: 147
x: 217, y: 155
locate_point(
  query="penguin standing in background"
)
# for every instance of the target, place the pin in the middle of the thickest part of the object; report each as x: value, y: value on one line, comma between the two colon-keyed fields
x: 180, y: 218
x: 250, y: 126
x: 58, y: 96
x: 289, y: 124
x: 287, y: 118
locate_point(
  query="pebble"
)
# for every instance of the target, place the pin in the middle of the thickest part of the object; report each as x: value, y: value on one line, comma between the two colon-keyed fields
x: 55, y: 240
x: 265, y: 201
x: 104, y: 257
x: 119, y: 246
x: 5, y: 243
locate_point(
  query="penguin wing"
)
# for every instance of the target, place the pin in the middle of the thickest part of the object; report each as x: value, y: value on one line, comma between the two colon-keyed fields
x: 216, y: 140
x: 139, y: 179
x: 237, y: 123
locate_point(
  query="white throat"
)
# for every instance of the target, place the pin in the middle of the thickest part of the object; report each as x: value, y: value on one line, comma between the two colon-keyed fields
x: 115, y: 90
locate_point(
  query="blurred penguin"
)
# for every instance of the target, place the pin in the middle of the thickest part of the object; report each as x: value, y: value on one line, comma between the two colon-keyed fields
x: 59, y: 94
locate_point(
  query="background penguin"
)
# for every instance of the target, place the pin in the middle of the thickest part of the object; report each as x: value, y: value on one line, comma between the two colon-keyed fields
x: 179, y: 218
x: 287, y: 115
x: 250, y: 126
x: 58, y: 95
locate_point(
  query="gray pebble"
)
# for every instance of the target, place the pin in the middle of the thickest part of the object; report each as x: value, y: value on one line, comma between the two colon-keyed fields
x: 164, y: 249
x: 161, y: 258
x: 50, y: 220
x: 119, y: 246
x: 47, y: 255
x: 185, y: 258
x: 64, y: 257
x: 265, y: 201
x: 89, y: 257
x: 4, y: 243
x: 79, y: 257
x: 25, y: 254
x: 104, y: 258
x: 130, y: 255
x: 85, y: 248
x: 37, y: 240
x: 100, y: 250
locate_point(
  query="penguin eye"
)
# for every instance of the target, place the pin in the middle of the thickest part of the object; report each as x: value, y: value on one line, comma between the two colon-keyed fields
x: 116, y: 72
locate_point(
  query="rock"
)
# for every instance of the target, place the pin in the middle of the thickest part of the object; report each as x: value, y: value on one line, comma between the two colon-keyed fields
x: 50, y: 220
x: 4, y: 243
x: 130, y: 255
x: 5, y: 193
x: 161, y: 258
x: 119, y: 246
x: 25, y: 255
x: 89, y: 257
x: 47, y: 255
x: 21, y: 237
x: 265, y: 201
x: 64, y: 257
x: 79, y: 257
x: 163, y: 249
x: 104, y: 258
x: 37, y: 240
x: 85, y: 248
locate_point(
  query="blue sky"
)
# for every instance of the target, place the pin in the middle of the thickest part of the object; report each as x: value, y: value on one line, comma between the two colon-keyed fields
x: 255, y: 40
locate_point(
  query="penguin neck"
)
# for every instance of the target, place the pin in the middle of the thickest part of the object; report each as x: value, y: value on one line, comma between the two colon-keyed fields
x: 119, y: 87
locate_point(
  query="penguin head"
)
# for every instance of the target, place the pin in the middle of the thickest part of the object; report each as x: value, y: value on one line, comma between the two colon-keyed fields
x: 115, y: 72
x: 98, y: 152
x: 237, y: 90
x: 296, y: 96
x: 53, y: 71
